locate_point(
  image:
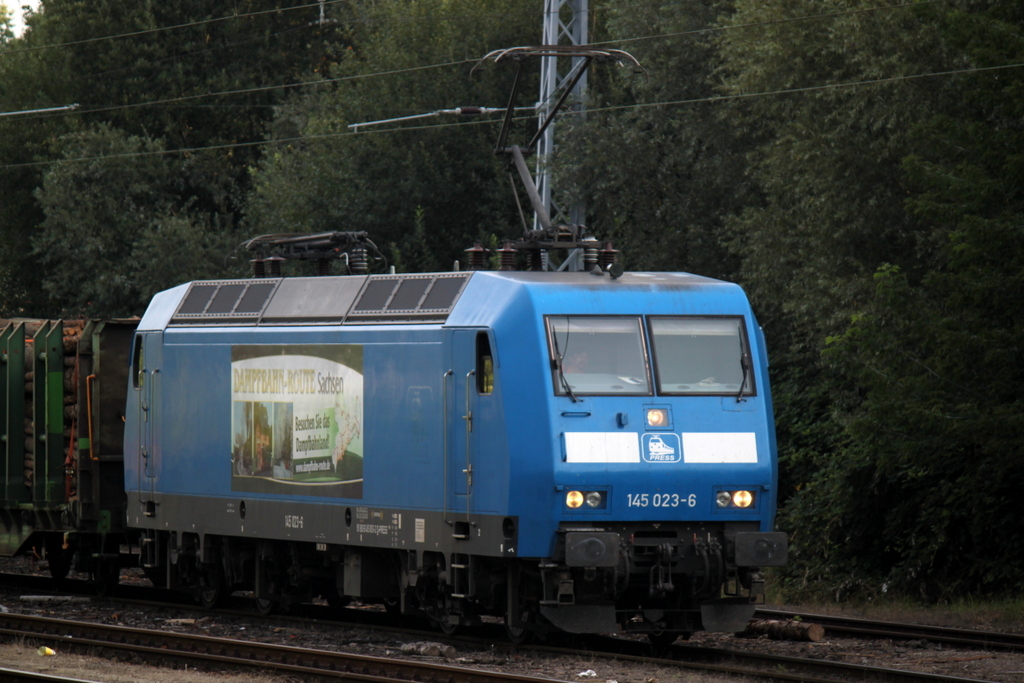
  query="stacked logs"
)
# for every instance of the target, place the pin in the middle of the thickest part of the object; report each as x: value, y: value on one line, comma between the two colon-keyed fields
x: 72, y: 333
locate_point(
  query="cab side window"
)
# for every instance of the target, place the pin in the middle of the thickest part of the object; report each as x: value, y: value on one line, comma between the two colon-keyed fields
x: 484, y: 365
x: 137, y: 359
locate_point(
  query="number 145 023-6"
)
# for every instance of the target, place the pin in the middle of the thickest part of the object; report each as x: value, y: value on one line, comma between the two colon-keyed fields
x: 660, y: 500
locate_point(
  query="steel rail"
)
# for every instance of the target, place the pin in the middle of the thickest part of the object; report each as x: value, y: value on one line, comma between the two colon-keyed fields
x: 684, y: 655
x: 17, y: 676
x: 165, y: 645
x: 871, y: 628
x: 765, y: 666
x: 787, y: 668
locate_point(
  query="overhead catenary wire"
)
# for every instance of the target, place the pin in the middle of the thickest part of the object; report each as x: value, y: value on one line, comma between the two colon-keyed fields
x: 230, y: 17
x: 458, y: 111
x: 246, y: 15
x: 770, y: 22
x: 643, y: 105
x: 159, y: 29
x: 245, y: 91
x: 48, y: 110
x: 302, y: 84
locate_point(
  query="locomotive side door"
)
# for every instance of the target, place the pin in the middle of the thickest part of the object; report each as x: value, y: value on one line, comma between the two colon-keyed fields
x: 470, y: 376
x: 145, y: 376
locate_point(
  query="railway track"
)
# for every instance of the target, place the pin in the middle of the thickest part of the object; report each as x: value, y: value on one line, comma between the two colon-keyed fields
x: 869, y: 628
x: 310, y: 664
x: 304, y: 663
x: 16, y: 676
x: 687, y: 655
x: 803, y: 669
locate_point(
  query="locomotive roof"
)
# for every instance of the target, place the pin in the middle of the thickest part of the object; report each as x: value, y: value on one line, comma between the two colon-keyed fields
x: 453, y: 299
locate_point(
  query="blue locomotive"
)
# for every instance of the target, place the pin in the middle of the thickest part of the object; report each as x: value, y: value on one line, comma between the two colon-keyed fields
x: 570, y: 451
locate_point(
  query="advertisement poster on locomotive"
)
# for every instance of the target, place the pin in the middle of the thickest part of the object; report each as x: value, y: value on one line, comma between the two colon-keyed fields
x: 297, y: 419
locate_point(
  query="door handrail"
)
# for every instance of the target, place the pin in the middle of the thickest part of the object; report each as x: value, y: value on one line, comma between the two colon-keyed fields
x: 444, y: 455
x: 468, y: 417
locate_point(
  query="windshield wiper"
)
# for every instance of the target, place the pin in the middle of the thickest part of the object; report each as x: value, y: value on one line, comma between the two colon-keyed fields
x: 744, y: 368
x: 558, y: 361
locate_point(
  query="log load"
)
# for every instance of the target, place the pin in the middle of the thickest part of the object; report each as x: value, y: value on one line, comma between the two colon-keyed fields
x: 71, y: 335
x: 784, y: 630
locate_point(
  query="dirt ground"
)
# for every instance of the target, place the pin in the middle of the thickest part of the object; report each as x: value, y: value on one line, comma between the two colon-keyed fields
x: 71, y: 666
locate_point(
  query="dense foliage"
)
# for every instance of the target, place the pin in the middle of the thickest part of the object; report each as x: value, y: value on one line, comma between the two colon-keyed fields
x: 856, y: 165
x: 889, y: 237
x: 173, y: 76
x: 423, y: 194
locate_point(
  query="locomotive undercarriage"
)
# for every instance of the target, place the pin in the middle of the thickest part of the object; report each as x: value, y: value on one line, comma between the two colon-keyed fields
x: 666, y: 580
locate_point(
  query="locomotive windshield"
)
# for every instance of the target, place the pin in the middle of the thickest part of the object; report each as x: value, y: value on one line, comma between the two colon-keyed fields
x: 598, y: 355
x: 701, y: 355
x: 693, y: 355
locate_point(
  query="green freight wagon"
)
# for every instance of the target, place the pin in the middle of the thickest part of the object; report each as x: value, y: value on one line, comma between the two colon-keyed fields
x: 62, y: 387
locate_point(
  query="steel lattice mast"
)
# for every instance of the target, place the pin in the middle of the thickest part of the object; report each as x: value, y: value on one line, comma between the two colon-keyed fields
x: 565, y: 24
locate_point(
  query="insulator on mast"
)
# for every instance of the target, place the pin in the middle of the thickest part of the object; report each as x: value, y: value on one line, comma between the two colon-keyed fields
x: 358, y: 260
x: 477, y: 256
x: 608, y: 256
x: 590, y: 253
x: 508, y: 256
x: 538, y: 259
x: 274, y: 266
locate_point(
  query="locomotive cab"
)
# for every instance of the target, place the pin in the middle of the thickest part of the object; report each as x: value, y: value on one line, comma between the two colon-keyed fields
x: 658, y: 430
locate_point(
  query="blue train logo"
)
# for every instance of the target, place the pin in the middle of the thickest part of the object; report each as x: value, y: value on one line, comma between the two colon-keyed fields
x: 662, y: 448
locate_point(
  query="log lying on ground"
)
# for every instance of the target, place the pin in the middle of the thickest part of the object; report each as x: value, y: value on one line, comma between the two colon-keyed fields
x: 784, y: 630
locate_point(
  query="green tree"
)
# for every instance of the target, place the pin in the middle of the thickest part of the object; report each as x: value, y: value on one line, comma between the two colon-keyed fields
x: 406, y: 59
x: 659, y: 171
x: 936, y: 353
x: 888, y: 238
x: 180, y: 73
x: 25, y: 84
x: 828, y: 168
x: 116, y: 229
x: 6, y: 31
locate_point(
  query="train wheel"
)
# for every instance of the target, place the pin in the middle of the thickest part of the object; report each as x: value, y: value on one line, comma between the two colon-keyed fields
x: 447, y: 626
x: 156, y: 575
x: 266, y: 606
x: 108, y: 576
x: 211, y: 589
x: 661, y: 641
x: 107, y: 571
x: 521, y: 633
x: 525, y: 629
x: 335, y: 601
x: 59, y: 559
x: 518, y: 635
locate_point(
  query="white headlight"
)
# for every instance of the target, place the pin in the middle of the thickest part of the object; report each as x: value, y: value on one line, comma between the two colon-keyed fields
x: 743, y: 499
x: 657, y: 417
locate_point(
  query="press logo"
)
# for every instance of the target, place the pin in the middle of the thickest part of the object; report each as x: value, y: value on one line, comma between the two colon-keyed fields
x: 661, y: 448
